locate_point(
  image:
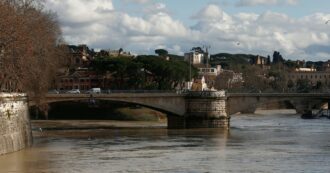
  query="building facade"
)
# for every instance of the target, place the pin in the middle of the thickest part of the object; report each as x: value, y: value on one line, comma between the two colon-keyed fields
x: 81, y: 79
x: 312, y: 76
x: 195, y: 58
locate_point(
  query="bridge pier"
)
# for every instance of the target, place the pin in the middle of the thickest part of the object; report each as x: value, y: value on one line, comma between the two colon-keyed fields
x: 205, y: 109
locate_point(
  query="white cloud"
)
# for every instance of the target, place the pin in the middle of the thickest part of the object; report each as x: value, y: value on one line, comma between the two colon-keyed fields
x: 100, y: 25
x: 155, y: 8
x: 212, y: 12
x: 292, y: 2
x: 212, y: 17
x: 138, y: 1
x: 265, y: 2
x: 264, y: 33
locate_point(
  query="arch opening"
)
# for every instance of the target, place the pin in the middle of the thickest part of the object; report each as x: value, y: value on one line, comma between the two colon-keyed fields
x: 99, y: 109
x: 275, y: 104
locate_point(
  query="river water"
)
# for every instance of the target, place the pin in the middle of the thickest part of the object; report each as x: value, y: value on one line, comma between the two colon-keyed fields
x: 270, y: 141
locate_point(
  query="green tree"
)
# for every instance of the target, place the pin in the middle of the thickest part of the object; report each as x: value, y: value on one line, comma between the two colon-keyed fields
x: 303, y: 86
x: 144, y: 72
x: 318, y: 86
x: 166, y: 74
x: 161, y: 52
x: 277, y: 58
x: 126, y: 72
x: 198, y: 49
x: 290, y: 85
x: 279, y: 74
x: 291, y: 64
x: 120, y: 51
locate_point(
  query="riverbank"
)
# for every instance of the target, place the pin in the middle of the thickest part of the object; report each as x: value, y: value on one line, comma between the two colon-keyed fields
x: 42, y: 125
x: 89, y: 129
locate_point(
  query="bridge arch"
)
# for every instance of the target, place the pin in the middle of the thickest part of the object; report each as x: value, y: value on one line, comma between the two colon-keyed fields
x: 247, y: 103
x: 169, y: 103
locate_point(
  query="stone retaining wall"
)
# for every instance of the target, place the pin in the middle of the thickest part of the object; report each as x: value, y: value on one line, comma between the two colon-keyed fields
x: 15, y: 129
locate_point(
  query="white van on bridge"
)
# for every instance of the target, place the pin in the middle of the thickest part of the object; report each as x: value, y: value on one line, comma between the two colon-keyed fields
x: 94, y: 91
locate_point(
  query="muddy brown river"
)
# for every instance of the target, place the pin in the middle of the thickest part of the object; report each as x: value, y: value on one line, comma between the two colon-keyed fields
x: 269, y: 141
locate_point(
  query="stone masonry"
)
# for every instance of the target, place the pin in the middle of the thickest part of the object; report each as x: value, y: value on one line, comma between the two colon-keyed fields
x: 204, y: 109
x: 15, y: 130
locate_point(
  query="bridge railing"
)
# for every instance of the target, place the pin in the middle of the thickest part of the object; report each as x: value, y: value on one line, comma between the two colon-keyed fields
x: 277, y: 94
x: 107, y: 91
x: 138, y: 91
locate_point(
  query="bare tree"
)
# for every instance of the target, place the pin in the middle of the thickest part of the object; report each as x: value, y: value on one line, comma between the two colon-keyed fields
x: 29, y: 51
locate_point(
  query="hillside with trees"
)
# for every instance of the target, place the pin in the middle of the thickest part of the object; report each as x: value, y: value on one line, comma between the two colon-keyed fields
x: 228, y: 61
x: 144, y: 72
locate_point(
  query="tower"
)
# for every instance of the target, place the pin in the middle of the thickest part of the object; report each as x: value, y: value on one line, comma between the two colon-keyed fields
x: 206, y: 55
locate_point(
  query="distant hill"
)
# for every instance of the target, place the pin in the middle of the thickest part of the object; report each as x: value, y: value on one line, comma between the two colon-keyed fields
x: 227, y: 60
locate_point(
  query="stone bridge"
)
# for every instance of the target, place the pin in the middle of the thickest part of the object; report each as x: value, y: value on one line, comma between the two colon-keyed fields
x: 201, y: 109
x: 249, y: 102
x: 184, y: 110
x: 172, y: 103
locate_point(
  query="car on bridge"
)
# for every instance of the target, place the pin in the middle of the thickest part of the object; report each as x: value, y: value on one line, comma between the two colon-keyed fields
x: 94, y: 91
x: 73, y: 91
x: 53, y: 91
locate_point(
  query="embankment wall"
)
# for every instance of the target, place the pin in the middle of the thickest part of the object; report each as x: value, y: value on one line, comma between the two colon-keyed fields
x: 15, y: 129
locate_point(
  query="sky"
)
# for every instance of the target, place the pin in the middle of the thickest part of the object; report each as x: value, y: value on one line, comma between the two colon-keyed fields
x: 298, y: 29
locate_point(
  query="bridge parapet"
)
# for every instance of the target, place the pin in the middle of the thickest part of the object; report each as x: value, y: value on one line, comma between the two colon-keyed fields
x: 207, y: 94
x: 291, y: 95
